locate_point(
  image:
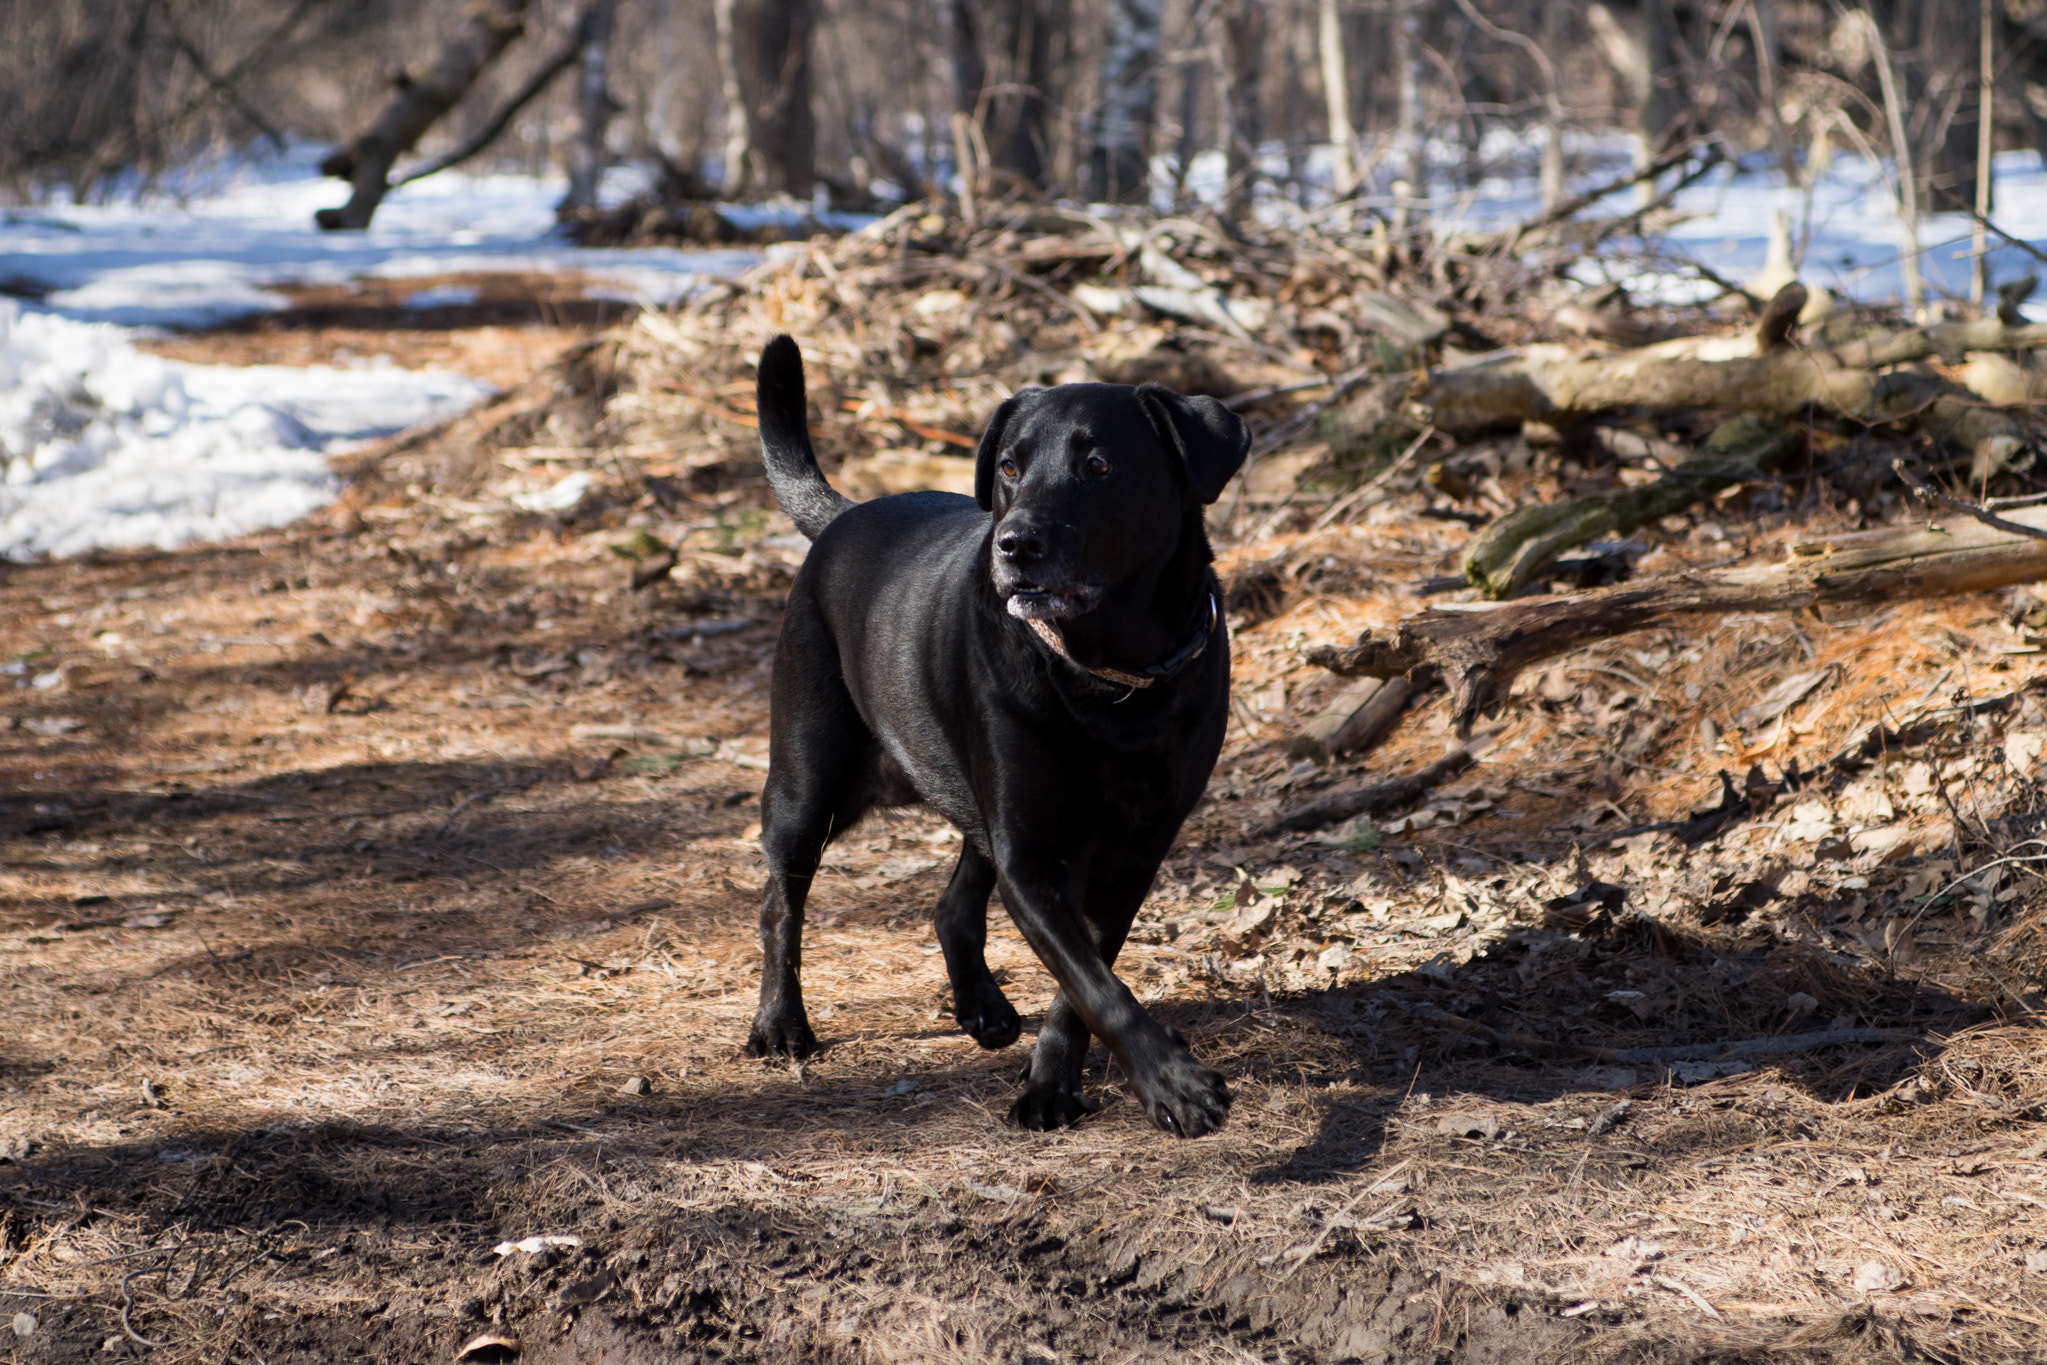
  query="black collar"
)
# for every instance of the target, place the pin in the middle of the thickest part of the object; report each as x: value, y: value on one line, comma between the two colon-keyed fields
x: 1158, y: 672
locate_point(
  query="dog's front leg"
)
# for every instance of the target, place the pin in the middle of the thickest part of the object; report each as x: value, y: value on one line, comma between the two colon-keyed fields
x: 781, y: 1028
x: 961, y: 921
x: 1178, y: 1093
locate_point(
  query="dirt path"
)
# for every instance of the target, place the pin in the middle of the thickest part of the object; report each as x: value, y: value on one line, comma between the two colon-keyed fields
x: 333, y: 959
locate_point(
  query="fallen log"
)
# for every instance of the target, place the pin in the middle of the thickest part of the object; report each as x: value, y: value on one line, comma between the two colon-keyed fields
x: 1549, y: 383
x: 1477, y: 649
x: 1503, y: 557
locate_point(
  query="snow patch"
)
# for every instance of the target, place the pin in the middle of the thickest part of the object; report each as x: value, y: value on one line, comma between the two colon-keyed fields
x: 105, y: 447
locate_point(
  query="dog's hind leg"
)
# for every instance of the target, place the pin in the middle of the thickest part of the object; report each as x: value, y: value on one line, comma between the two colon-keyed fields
x: 821, y: 780
x: 961, y: 920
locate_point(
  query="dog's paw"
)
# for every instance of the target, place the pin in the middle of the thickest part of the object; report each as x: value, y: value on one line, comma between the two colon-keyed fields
x: 1186, y: 1098
x: 1043, y: 1108
x: 781, y: 1035
x: 989, y: 1019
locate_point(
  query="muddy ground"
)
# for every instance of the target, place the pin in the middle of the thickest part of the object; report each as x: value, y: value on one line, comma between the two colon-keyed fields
x: 377, y: 896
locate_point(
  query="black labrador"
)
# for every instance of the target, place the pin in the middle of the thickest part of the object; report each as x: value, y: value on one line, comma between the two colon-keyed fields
x: 1046, y: 666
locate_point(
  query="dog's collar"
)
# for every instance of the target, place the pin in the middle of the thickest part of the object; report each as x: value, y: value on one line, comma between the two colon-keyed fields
x: 1158, y: 672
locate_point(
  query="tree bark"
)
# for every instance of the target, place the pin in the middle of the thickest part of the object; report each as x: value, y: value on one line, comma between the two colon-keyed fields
x: 1479, y: 650
x: 1121, y: 163
x: 424, y: 94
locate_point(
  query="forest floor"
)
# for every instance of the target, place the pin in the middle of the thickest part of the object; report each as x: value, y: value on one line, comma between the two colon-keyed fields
x: 342, y: 958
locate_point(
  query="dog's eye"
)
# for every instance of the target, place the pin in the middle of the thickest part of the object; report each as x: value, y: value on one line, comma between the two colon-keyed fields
x: 1098, y: 466
x: 1008, y: 468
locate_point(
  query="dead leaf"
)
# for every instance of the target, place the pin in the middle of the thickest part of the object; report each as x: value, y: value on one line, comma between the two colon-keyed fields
x: 1781, y: 698
x: 489, y: 1348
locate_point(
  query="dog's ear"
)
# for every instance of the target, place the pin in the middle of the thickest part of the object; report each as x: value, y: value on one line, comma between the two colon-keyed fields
x: 1210, y: 439
x: 991, y: 442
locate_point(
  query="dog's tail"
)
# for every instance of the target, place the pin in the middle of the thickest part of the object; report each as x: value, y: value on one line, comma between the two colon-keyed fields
x: 784, y: 413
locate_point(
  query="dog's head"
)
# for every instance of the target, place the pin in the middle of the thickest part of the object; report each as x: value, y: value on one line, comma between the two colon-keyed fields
x: 1091, y: 483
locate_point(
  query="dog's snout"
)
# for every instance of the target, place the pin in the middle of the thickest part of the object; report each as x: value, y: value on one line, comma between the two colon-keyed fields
x: 1020, y: 544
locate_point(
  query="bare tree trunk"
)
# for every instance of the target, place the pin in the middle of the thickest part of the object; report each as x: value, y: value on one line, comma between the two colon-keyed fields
x: 1410, y: 140
x: 1290, y: 104
x: 1004, y: 79
x: 1986, y: 108
x: 661, y: 108
x: 594, y: 107
x: 1120, y: 168
x: 1554, y: 15
x: 1336, y: 95
x: 738, y: 123
x: 771, y: 47
x: 1638, y: 46
x: 1906, y: 156
x: 424, y: 94
x: 1192, y: 72
x: 1244, y: 28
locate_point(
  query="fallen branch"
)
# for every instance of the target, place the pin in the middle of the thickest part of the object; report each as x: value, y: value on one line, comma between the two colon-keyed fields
x: 1478, y: 650
x: 1376, y: 798
x: 1355, y: 719
x: 1929, y: 493
x: 1502, y: 558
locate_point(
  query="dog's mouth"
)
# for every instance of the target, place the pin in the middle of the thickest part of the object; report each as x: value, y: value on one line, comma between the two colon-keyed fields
x: 1030, y: 603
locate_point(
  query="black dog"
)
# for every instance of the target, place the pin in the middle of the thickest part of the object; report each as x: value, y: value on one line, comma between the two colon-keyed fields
x: 1052, y: 678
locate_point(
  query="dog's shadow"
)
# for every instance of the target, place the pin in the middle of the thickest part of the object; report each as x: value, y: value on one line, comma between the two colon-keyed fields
x: 1422, y: 1052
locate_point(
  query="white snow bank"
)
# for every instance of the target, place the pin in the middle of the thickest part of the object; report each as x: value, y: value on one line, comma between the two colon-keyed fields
x: 102, y: 446
x: 235, y: 234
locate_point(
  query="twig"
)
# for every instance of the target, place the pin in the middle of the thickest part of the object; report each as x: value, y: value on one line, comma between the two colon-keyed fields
x: 1987, y: 517
x: 128, y: 1302
x: 2024, y: 246
x: 1577, y: 203
x: 1285, y: 431
x: 1349, y: 502
x: 1330, y: 1224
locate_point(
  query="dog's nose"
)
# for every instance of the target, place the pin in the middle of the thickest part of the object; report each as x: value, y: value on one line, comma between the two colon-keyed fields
x: 1020, y: 544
